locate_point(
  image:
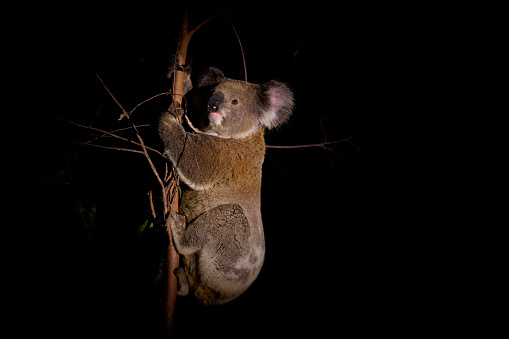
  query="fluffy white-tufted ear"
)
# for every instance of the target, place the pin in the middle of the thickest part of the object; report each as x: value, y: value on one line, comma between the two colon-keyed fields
x: 277, y: 104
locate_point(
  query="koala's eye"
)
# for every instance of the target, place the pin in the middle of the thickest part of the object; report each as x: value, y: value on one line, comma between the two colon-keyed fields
x: 235, y: 102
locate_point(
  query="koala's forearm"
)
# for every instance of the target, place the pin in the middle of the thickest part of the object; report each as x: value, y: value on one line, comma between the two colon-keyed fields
x: 173, y: 135
x: 200, y: 159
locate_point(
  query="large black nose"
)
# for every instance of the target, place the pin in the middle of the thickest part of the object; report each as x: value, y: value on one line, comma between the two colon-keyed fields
x: 215, y: 102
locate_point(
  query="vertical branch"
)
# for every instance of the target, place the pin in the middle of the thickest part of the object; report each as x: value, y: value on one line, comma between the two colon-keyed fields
x: 178, y: 79
x: 171, y: 198
x: 172, y: 202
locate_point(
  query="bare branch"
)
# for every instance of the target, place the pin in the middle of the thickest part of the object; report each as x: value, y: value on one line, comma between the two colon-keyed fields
x: 150, y: 198
x: 323, y: 129
x: 114, y: 148
x: 321, y: 144
x: 112, y: 135
x: 111, y: 94
x: 190, y: 124
x: 204, y: 22
x: 143, y: 102
x: 151, y: 164
x: 241, y: 49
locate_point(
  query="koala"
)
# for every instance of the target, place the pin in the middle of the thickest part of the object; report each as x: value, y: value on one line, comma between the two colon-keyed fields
x: 219, y: 233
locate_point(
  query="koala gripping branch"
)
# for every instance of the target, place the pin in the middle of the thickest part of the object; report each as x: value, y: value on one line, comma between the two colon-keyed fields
x: 177, y: 93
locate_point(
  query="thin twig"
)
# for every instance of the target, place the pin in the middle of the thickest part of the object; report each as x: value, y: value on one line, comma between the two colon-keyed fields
x: 204, y: 22
x: 114, y: 148
x: 241, y: 49
x: 112, y: 135
x: 111, y: 94
x: 143, y: 102
x: 190, y: 124
x: 150, y: 198
x: 321, y: 144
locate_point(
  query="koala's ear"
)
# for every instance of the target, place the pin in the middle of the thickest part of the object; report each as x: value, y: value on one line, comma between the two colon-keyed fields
x: 277, y: 104
x: 210, y: 77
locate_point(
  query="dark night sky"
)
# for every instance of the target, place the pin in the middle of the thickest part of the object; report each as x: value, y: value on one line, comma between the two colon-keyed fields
x: 335, y: 258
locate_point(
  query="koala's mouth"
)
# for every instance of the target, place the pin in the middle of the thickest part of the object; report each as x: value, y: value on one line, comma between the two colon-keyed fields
x: 215, y: 117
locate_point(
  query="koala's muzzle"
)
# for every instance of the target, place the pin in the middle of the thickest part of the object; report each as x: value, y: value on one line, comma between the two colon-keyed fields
x: 215, y: 102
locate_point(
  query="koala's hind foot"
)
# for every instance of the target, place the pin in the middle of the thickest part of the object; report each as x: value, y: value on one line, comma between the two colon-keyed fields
x: 177, y: 227
x: 183, y: 282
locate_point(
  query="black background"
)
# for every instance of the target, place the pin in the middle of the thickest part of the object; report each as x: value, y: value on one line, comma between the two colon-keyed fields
x: 339, y: 253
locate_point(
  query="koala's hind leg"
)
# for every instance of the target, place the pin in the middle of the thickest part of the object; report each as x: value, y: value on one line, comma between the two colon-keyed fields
x: 225, y: 226
x: 213, y: 246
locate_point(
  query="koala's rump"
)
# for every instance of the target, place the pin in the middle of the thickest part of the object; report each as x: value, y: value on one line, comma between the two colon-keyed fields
x: 230, y: 259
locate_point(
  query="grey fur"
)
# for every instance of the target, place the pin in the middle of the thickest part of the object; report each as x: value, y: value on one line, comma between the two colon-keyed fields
x: 220, y: 233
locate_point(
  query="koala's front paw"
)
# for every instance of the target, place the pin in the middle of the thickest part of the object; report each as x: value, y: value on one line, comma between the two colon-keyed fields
x: 175, y: 110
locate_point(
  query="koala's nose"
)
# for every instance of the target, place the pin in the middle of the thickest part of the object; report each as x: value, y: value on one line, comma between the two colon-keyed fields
x: 215, y: 102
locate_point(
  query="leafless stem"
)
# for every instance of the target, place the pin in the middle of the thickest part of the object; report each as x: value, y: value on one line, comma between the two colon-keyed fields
x: 111, y: 94
x: 321, y: 144
x: 241, y: 49
x: 192, y: 31
x: 150, y: 198
x: 190, y: 124
x: 114, y: 148
x: 112, y: 134
x: 143, y: 102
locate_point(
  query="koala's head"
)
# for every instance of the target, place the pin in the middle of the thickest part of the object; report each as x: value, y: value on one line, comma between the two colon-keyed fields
x: 236, y: 108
